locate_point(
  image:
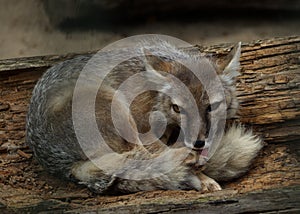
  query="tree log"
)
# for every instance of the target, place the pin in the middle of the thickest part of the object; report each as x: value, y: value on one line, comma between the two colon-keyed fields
x: 268, y: 89
x: 269, y: 95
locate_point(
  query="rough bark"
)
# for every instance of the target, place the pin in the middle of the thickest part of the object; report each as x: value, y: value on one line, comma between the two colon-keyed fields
x: 268, y: 89
x: 284, y: 200
x: 269, y: 95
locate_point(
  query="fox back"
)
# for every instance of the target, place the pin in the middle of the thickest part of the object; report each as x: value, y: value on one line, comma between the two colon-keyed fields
x: 153, y: 114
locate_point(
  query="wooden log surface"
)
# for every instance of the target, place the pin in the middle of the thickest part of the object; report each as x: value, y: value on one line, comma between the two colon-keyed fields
x: 269, y: 95
x: 269, y: 88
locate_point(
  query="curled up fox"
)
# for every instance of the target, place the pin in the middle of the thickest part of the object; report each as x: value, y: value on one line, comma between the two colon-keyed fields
x: 150, y: 141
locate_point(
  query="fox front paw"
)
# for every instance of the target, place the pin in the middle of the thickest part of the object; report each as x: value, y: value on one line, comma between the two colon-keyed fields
x: 208, y: 184
x: 101, y: 185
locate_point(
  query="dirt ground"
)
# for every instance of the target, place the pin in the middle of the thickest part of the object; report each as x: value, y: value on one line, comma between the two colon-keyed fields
x: 26, y: 30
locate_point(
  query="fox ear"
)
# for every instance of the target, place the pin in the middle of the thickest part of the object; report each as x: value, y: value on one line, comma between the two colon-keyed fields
x: 156, y: 62
x: 154, y: 76
x: 155, y: 67
x: 228, y: 76
x: 231, y: 65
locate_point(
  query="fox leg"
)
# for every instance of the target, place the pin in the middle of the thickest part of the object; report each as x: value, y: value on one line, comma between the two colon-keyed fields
x: 88, y: 174
x: 118, y: 174
x: 208, y: 184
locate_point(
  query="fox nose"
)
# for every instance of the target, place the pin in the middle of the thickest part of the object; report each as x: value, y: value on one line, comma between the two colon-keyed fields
x: 199, y: 144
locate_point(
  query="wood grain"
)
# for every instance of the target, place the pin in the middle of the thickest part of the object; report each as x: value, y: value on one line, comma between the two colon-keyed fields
x: 269, y: 95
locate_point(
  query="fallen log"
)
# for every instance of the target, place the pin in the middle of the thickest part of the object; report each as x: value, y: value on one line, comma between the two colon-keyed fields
x: 269, y: 96
x: 269, y: 88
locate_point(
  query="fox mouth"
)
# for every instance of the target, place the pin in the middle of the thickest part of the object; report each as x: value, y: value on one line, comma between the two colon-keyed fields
x: 201, y: 156
x: 201, y: 151
x: 198, y: 150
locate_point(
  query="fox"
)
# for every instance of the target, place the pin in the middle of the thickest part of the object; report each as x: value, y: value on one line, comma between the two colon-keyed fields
x: 51, y: 135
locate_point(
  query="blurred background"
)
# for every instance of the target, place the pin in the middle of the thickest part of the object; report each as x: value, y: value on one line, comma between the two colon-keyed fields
x: 42, y: 27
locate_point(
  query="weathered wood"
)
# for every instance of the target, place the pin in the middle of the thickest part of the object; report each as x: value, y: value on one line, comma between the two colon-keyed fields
x: 269, y: 94
x: 286, y: 200
x: 268, y: 89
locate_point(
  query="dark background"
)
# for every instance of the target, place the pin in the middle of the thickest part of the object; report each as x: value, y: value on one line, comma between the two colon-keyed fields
x: 40, y: 27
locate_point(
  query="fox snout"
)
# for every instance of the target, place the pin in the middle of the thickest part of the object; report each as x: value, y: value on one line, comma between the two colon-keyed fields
x: 199, y: 144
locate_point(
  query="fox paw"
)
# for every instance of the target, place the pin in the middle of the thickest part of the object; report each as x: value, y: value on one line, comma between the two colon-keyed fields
x: 208, y: 184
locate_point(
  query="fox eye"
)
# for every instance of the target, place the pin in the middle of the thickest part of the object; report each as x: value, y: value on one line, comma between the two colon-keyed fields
x: 176, y: 108
x: 213, y: 106
x: 208, y: 109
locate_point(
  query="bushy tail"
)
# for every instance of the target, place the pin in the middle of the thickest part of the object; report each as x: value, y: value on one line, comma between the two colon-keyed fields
x: 234, y: 154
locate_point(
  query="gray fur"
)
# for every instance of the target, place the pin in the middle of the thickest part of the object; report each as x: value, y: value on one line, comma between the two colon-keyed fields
x: 51, y: 135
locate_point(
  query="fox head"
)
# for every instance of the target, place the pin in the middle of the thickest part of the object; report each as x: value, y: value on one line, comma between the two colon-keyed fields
x: 178, y: 107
